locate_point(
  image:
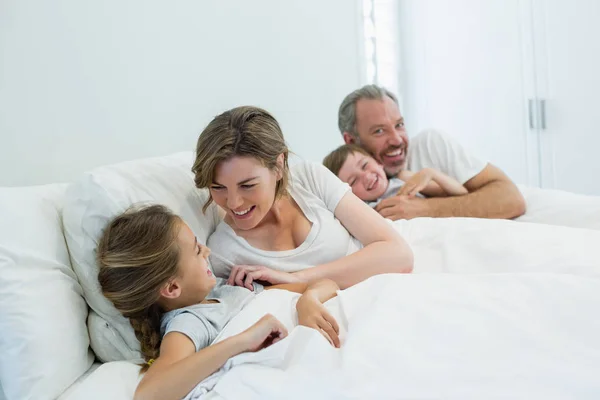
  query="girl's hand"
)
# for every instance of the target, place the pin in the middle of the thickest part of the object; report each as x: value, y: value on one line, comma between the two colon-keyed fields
x: 417, y: 182
x: 244, y: 275
x: 267, y: 331
x: 313, y: 314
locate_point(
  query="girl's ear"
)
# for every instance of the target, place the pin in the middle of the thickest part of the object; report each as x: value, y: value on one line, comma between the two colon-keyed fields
x: 171, y: 289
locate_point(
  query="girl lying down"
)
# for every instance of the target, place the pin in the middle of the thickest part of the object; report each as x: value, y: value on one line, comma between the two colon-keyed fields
x: 155, y: 272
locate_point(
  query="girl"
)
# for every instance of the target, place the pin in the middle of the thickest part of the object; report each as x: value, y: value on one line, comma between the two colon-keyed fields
x: 155, y: 272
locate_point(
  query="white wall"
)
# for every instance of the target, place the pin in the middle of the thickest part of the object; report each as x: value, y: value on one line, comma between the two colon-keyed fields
x: 89, y: 83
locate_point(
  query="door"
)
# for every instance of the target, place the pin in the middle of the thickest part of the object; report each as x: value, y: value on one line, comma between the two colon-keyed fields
x: 567, y: 36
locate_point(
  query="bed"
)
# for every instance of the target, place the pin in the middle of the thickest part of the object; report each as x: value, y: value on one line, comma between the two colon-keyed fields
x: 494, y: 309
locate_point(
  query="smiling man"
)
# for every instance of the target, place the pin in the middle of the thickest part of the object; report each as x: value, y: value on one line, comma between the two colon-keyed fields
x: 370, y: 117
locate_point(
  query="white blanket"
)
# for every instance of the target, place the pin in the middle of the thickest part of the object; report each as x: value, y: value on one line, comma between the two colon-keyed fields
x: 516, y: 320
x: 557, y: 207
x: 471, y: 245
x: 437, y: 336
x: 516, y: 317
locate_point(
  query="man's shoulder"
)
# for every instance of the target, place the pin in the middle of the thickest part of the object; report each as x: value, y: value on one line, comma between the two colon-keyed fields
x: 427, y: 137
x: 426, y: 148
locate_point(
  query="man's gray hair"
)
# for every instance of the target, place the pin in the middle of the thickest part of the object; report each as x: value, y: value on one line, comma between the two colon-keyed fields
x: 347, y: 111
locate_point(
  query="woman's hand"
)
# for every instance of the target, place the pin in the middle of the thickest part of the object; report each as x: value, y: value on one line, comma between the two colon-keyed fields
x: 416, y: 183
x: 267, y: 331
x: 313, y: 314
x: 244, y: 275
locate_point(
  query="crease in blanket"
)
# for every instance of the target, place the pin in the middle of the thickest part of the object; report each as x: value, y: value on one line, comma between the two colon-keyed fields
x: 274, y: 360
x: 279, y: 357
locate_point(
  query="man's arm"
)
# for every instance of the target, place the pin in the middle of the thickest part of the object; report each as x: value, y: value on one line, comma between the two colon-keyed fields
x: 491, y: 195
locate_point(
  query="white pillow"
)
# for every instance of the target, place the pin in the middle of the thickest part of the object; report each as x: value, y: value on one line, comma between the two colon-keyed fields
x: 105, y: 192
x: 43, y: 336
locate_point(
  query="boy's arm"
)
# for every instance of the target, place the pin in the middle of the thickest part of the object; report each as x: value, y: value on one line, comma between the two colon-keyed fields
x: 431, y: 183
x: 448, y: 184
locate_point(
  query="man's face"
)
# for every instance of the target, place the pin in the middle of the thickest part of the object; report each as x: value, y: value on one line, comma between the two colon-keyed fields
x: 381, y: 131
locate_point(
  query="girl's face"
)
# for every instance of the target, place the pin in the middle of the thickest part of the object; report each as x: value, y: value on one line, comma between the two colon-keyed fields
x: 194, y: 276
x: 245, y: 189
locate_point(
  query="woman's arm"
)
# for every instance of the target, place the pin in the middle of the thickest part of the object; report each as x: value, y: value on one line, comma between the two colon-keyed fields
x: 431, y: 183
x: 384, y: 249
x: 179, y: 368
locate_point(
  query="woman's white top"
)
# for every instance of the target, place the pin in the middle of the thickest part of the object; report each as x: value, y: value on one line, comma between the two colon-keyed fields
x: 317, y: 191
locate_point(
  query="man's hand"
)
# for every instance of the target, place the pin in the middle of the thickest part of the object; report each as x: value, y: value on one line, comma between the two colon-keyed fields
x: 403, y: 207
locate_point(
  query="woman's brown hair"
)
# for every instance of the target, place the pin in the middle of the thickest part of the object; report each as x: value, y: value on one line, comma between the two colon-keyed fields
x: 137, y: 255
x: 243, y: 131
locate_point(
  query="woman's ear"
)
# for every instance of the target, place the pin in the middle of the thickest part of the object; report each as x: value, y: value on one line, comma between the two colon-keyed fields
x: 171, y: 289
x: 280, y: 164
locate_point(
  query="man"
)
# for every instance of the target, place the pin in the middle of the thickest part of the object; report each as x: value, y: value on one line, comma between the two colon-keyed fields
x: 370, y: 117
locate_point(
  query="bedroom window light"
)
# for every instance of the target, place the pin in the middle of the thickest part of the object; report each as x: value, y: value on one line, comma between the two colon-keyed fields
x: 381, y: 43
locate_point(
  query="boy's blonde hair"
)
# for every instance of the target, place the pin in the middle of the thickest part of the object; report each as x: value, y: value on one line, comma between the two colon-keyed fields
x: 137, y: 255
x: 336, y: 159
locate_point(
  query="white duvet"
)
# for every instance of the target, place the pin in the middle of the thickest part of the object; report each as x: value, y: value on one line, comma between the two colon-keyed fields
x: 514, y: 314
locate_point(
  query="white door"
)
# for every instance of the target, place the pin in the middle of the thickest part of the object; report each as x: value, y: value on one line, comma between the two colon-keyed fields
x: 466, y: 71
x: 568, y: 58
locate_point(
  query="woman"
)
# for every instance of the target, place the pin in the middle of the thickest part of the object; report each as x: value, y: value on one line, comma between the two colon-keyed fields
x: 285, y: 225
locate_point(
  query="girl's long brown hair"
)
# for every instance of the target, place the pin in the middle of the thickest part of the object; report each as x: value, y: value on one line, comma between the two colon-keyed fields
x: 137, y: 255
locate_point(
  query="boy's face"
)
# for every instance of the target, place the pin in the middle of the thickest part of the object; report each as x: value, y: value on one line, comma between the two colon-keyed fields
x: 365, y: 176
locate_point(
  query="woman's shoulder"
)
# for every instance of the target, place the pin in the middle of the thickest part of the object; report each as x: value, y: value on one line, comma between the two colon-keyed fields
x: 307, y: 173
x: 304, y: 167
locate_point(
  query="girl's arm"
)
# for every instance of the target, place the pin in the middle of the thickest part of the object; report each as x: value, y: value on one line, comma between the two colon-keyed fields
x: 431, y: 183
x: 180, y: 368
x: 384, y: 249
x: 311, y: 312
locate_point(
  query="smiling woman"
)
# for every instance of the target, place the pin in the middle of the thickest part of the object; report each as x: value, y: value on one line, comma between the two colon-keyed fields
x: 286, y: 225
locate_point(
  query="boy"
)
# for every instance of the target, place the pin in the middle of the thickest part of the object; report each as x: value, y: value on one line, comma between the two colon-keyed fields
x: 355, y: 166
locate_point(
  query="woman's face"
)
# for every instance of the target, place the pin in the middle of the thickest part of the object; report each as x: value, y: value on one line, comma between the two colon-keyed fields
x: 245, y: 189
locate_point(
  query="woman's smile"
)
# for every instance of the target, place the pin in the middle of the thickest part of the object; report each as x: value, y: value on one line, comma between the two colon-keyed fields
x: 244, y: 213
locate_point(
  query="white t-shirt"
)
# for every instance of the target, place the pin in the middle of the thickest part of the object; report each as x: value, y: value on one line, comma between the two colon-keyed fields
x: 432, y: 149
x: 317, y: 192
